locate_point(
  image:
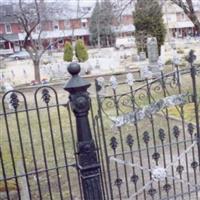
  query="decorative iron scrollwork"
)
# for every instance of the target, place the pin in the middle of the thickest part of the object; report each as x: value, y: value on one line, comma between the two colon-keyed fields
x: 46, y: 96
x: 149, y: 110
x: 118, y: 182
x: 162, y: 134
x: 113, y: 143
x: 130, y: 140
x: 190, y: 129
x: 167, y: 187
x: 176, y: 131
x: 152, y: 192
x: 14, y: 101
x: 146, y: 137
x: 134, y: 178
x: 180, y: 169
x: 194, y: 164
x: 156, y: 156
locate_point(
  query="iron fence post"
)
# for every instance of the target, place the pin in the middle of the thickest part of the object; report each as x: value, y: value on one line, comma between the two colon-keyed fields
x: 191, y: 59
x: 88, y: 164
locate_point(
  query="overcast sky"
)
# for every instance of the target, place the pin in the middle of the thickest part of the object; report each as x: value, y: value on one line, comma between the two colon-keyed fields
x: 72, y: 1
x: 82, y: 2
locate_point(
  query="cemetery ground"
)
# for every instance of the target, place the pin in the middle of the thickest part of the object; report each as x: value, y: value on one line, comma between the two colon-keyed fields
x: 54, y: 128
x: 53, y: 69
x: 56, y: 132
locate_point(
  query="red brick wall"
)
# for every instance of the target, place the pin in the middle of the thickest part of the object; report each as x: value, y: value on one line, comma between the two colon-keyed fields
x: 48, y: 26
x: 15, y: 28
x: 125, y: 20
x: 75, y: 23
x: 61, y: 25
x: 2, y: 28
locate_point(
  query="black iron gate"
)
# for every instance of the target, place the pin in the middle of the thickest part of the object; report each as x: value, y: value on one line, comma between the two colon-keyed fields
x: 145, y: 138
x: 42, y: 156
x: 150, y: 135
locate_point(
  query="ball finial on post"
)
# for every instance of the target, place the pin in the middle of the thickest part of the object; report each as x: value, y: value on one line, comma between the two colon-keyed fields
x: 74, y: 68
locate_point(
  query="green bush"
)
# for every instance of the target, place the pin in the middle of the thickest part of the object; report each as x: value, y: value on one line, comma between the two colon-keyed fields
x: 68, y: 52
x: 81, y: 51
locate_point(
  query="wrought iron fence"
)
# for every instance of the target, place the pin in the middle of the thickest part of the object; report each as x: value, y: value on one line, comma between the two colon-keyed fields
x: 143, y: 142
x: 37, y: 147
x: 151, y: 142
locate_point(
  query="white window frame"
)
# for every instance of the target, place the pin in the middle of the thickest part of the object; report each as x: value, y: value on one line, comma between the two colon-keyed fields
x: 84, y: 23
x: 67, y: 24
x: 6, y: 28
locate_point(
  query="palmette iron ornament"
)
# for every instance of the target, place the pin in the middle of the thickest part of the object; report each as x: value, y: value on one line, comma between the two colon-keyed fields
x: 130, y: 79
x: 113, y: 82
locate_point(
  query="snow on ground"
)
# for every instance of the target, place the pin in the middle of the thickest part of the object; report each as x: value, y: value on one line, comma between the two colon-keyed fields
x: 100, y: 61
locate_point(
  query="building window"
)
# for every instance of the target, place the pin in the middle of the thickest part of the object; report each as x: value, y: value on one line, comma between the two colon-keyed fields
x: 67, y: 24
x: 55, y: 26
x: 84, y: 23
x: 183, y: 18
x: 38, y: 28
x: 8, y: 28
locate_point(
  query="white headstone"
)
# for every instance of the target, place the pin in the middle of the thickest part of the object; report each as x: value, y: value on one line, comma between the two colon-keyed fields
x: 152, y: 49
x: 153, y: 55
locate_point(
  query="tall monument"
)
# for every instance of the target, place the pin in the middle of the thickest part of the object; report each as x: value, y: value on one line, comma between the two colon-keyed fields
x: 153, y: 55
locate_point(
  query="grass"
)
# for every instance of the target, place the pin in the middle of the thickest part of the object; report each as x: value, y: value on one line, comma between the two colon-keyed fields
x: 10, y: 184
x: 53, y: 129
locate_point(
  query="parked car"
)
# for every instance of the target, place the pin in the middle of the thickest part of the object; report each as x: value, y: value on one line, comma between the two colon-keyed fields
x: 20, y: 55
x: 125, y: 42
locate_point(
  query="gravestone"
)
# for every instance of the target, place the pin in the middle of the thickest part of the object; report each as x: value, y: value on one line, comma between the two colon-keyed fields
x: 142, y: 56
x: 135, y: 58
x: 176, y: 58
x: 152, y: 50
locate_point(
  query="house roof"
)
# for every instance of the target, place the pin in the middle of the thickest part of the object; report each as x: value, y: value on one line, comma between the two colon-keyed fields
x: 57, y: 34
x: 185, y: 24
x: 10, y: 37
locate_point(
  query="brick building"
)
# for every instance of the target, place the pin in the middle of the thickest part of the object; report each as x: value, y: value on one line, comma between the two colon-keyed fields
x: 66, y: 25
x: 72, y: 22
x: 177, y: 22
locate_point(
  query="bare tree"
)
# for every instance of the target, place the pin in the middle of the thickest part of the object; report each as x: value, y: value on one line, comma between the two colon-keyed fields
x: 32, y: 18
